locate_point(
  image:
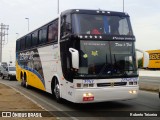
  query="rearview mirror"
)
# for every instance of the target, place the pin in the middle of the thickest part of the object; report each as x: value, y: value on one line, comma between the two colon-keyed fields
x: 75, y: 58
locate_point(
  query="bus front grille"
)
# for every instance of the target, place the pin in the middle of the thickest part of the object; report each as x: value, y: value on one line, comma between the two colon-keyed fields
x: 111, y: 84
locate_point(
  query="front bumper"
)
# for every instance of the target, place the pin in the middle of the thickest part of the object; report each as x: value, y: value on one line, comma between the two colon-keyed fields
x: 106, y: 94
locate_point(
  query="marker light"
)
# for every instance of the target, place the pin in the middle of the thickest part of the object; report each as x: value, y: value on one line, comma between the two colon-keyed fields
x: 88, y: 97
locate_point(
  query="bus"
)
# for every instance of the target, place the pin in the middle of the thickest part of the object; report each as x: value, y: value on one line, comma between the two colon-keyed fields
x: 82, y: 56
x: 154, y: 59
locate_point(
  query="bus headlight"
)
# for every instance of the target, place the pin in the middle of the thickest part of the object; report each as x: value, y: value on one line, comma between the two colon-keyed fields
x: 133, y: 91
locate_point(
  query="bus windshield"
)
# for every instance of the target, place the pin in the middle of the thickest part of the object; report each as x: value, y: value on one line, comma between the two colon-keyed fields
x: 104, y: 58
x: 101, y: 24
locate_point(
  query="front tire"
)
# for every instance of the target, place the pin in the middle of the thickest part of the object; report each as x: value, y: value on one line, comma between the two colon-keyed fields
x: 57, y: 91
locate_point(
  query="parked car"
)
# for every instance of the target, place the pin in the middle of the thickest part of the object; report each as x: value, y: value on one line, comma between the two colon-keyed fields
x: 9, y: 72
x: 1, y: 69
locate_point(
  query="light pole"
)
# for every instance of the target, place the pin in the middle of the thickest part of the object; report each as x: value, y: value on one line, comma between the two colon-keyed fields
x: 123, y: 5
x: 28, y: 23
x: 58, y: 6
x: 17, y: 35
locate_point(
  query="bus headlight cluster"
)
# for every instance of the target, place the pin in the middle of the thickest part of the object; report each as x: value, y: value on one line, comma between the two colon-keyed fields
x: 79, y: 85
x: 133, y: 91
x: 133, y: 83
x: 88, y: 85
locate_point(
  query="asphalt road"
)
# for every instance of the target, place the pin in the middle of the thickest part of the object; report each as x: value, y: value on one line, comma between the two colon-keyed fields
x: 150, y: 80
x: 149, y: 83
x: 146, y: 101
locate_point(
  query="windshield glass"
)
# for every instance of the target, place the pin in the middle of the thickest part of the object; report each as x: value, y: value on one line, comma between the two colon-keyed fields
x: 104, y: 58
x: 12, y: 69
x: 99, y: 24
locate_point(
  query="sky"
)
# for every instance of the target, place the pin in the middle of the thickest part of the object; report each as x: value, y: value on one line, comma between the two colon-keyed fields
x: 144, y: 15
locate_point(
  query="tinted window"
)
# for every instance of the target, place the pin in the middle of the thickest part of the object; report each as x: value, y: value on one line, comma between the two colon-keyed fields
x: 35, y: 38
x: 23, y: 44
x: 101, y: 24
x: 43, y: 35
x: 65, y: 25
x: 28, y: 41
x: 17, y: 45
x: 53, y: 31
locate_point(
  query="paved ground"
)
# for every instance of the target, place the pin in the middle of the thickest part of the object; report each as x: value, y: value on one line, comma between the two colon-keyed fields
x: 149, y: 73
x: 12, y: 100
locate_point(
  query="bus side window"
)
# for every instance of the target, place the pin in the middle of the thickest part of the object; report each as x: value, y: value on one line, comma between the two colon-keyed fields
x: 28, y: 41
x: 35, y: 38
x: 23, y: 43
x: 53, y: 32
x: 42, y: 35
x: 65, y: 25
x: 18, y: 46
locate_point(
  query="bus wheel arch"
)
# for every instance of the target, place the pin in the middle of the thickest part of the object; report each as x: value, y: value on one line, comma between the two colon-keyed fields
x: 55, y: 87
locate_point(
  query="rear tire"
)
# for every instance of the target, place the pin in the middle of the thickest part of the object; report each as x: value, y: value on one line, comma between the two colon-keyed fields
x: 26, y: 84
x: 23, y: 82
x: 2, y: 77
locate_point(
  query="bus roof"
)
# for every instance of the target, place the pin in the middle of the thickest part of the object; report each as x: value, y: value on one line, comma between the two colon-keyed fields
x: 81, y: 11
x: 87, y: 11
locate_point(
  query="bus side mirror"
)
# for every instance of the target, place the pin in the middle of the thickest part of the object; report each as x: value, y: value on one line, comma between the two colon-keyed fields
x: 75, y: 58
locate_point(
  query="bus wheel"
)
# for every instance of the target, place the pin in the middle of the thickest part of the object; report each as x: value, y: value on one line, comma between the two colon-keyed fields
x: 26, y: 84
x: 23, y: 82
x: 57, y: 91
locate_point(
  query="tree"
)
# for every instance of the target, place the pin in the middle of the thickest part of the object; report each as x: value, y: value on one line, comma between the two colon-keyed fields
x: 140, y: 63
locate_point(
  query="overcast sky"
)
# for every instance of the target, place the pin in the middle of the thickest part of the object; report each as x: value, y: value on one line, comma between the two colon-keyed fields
x: 144, y: 14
